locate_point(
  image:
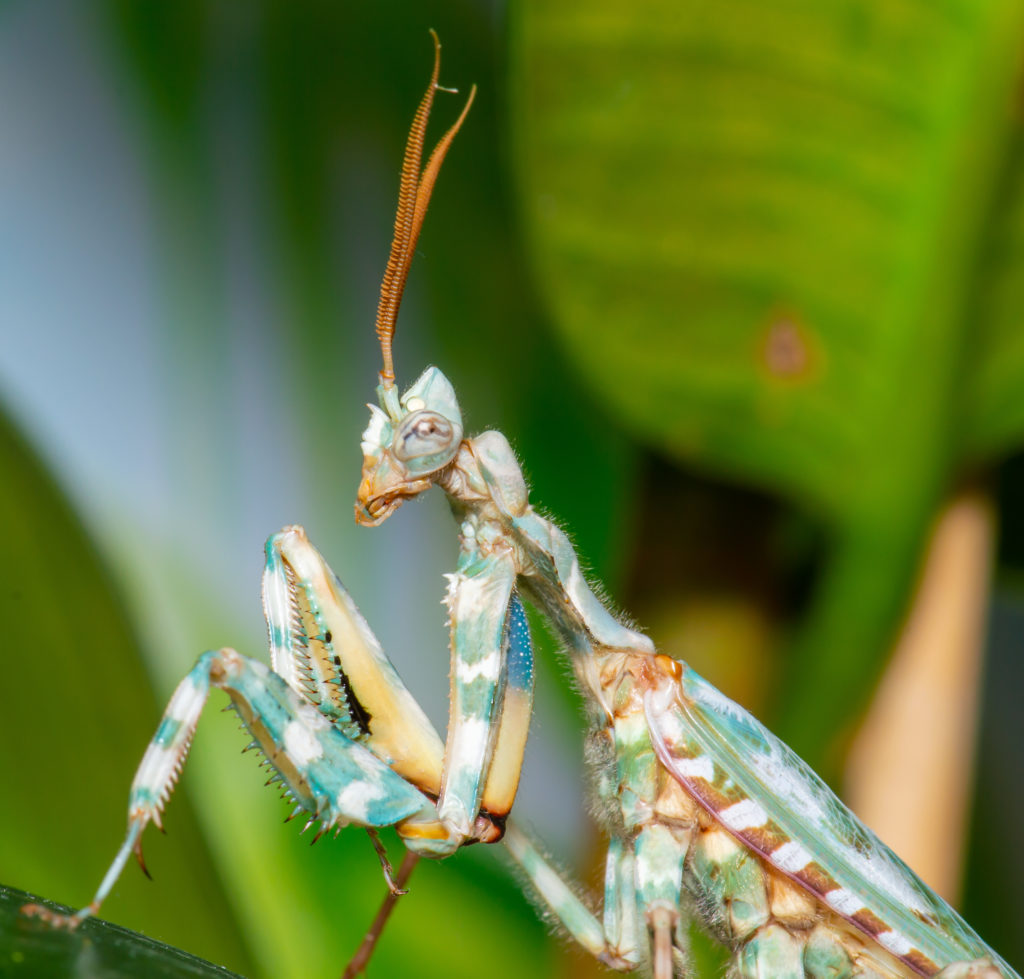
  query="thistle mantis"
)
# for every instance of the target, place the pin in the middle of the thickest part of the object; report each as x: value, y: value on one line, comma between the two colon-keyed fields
x: 708, y: 814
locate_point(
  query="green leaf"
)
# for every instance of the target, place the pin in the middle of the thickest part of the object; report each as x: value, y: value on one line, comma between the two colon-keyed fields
x: 77, y: 714
x: 96, y: 950
x: 993, y: 348
x: 757, y: 229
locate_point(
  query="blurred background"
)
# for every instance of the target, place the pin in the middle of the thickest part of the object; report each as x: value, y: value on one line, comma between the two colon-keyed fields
x: 742, y: 284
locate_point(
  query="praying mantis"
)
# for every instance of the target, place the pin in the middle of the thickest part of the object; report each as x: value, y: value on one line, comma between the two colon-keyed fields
x: 707, y: 813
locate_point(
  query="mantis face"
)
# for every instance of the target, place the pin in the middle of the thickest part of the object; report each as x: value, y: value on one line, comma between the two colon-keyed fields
x: 408, y: 441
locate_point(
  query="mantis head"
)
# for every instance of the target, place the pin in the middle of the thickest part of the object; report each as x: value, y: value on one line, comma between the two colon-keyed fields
x: 411, y: 438
x: 408, y: 441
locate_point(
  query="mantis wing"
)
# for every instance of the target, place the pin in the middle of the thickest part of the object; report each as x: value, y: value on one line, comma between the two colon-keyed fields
x: 769, y: 799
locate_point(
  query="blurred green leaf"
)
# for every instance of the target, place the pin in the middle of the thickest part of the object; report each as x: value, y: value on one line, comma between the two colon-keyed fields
x: 993, y: 352
x: 758, y: 230
x: 29, y: 949
x: 78, y: 714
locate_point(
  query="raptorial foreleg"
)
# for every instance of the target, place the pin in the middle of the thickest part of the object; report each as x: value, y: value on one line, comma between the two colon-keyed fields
x: 329, y: 776
x: 326, y: 652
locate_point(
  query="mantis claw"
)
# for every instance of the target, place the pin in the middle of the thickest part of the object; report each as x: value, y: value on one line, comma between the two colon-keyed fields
x: 137, y: 850
x: 385, y: 865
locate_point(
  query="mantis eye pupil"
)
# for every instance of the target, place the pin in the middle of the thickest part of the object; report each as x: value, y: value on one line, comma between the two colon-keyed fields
x: 423, y: 434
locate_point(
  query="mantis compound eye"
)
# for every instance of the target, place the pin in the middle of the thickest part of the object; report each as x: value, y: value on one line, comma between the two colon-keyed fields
x: 426, y: 441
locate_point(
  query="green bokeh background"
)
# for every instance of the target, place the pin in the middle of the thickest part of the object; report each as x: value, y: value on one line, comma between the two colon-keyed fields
x: 645, y: 201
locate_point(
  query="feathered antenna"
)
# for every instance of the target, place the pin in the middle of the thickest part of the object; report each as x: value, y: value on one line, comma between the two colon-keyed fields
x: 413, y: 197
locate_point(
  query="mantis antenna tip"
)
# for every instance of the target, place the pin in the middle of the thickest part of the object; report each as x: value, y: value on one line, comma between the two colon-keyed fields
x: 414, y: 192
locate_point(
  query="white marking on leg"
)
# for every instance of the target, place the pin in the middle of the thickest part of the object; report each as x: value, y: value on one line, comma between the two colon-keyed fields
x: 368, y: 764
x: 488, y: 668
x: 895, y: 942
x: 354, y: 800
x: 186, y: 702
x: 301, y: 744
x: 791, y: 857
x: 157, y: 768
x: 743, y: 815
x: 471, y: 734
x: 844, y: 901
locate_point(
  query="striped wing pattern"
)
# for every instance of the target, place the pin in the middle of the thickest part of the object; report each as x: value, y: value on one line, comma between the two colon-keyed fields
x: 769, y: 799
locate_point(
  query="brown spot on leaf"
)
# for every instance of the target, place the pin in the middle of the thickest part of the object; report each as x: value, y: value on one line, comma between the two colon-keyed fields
x: 787, y: 349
